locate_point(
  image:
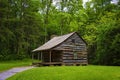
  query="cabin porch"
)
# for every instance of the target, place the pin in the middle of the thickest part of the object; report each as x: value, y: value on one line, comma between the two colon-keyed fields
x: 50, y: 57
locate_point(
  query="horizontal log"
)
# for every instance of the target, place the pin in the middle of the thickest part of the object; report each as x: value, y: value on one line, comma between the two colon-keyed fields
x: 74, y: 61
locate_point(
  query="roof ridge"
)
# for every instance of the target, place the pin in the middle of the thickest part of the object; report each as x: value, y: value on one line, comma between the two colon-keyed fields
x: 65, y: 34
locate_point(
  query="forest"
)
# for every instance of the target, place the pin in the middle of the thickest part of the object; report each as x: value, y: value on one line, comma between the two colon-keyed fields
x: 27, y: 24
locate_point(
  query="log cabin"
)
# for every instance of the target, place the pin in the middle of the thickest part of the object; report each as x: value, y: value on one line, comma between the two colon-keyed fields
x: 69, y: 49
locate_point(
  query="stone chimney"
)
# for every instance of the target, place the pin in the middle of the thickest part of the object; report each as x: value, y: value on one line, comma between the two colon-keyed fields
x: 52, y: 36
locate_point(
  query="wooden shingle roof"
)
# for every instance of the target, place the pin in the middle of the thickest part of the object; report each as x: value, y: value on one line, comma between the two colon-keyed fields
x: 53, y: 42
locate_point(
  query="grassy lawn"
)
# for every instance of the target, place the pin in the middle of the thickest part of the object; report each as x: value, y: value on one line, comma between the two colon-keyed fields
x: 5, y: 65
x: 70, y: 73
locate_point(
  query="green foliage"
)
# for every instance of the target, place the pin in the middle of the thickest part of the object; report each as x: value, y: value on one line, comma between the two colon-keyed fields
x: 19, y: 27
x: 104, y: 29
x: 70, y: 73
x: 107, y: 52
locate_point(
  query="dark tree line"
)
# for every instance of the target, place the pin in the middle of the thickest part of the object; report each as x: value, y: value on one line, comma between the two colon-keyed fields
x: 27, y: 24
x: 19, y: 28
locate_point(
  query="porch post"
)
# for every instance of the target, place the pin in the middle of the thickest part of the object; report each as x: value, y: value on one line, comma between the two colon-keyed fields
x: 38, y: 56
x: 50, y: 56
x: 41, y: 56
x: 32, y: 57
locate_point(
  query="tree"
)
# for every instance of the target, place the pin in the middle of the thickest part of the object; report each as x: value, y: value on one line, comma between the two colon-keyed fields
x: 108, y: 35
x: 19, y: 28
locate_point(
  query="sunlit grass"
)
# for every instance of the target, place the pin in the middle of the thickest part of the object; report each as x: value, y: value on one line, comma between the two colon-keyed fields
x: 5, y: 65
x: 70, y: 73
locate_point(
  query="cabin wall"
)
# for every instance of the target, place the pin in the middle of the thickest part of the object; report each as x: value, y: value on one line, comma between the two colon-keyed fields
x: 74, y: 51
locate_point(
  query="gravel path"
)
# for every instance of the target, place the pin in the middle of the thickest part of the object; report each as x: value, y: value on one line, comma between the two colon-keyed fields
x: 13, y: 71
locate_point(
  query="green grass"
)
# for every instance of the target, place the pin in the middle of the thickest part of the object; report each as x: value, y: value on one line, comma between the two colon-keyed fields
x: 5, y: 65
x: 70, y: 73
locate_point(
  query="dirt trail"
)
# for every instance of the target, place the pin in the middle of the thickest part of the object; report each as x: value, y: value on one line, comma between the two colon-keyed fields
x: 13, y: 71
